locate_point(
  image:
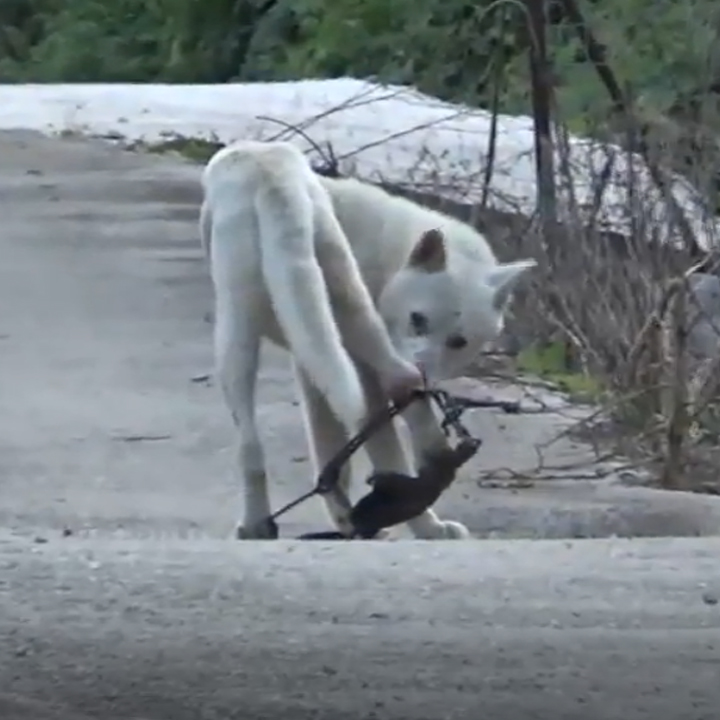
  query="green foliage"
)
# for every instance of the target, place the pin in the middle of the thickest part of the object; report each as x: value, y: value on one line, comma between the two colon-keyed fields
x: 664, y: 51
x: 657, y: 49
x: 548, y: 361
x: 449, y: 48
x: 124, y: 40
x: 446, y: 47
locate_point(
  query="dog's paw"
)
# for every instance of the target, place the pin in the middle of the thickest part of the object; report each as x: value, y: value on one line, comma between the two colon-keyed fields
x: 383, y: 534
x: 448, y: 530
x: 452, y: 530
x: 264, y: 530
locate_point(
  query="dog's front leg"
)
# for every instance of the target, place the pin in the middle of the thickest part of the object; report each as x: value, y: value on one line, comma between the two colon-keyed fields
x: 387, y: 454
x: 427, y: 436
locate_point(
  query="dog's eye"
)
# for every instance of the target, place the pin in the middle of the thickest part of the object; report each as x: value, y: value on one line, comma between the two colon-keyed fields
x: 419, y: 323
x: 456, y: 342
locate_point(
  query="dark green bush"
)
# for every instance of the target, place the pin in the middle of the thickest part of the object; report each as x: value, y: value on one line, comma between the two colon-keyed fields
x: 666, y: 51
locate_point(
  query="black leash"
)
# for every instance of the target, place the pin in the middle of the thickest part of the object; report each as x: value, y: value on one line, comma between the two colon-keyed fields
x: 439, y: 468
x: 329, y: 477
x: 453, y: 408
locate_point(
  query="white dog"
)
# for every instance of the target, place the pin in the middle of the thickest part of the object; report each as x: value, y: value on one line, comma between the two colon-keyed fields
x: 307, y: 262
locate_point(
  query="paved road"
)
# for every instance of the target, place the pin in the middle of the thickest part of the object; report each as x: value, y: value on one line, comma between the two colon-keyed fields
x: 186, y: 629
x: 120, y: 593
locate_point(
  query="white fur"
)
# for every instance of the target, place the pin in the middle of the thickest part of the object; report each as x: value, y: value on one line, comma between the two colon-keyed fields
x: 468, y: 298
x: 304, y: 261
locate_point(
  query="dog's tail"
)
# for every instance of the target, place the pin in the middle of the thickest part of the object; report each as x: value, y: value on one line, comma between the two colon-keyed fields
x: 287, y: 216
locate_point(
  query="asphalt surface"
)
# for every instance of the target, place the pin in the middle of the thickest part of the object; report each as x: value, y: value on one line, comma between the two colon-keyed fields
x: 122, y: 595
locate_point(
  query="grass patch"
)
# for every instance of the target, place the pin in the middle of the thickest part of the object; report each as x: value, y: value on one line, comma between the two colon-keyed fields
x: 549, y: 362
x: 198, y: 150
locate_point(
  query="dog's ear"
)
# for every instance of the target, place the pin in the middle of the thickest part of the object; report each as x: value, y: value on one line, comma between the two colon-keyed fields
x: 429, y: 254
x: 503, y: 278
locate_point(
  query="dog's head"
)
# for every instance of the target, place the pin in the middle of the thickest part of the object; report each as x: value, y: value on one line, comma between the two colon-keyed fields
x: 441, y: 320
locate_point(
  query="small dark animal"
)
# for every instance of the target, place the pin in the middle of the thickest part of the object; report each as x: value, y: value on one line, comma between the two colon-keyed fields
x: 396, y: 498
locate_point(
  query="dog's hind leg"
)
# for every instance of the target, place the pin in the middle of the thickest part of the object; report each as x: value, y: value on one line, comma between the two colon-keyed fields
x: 237, y: 355
x: 205, y: 229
